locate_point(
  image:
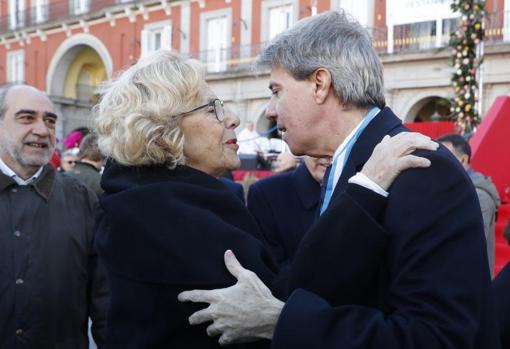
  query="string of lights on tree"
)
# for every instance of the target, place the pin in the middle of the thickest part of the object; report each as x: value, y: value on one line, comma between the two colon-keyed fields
x: 464, y: 42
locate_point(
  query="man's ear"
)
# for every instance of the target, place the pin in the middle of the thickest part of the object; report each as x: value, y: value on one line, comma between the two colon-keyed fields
x: 464, y: 160
x: 321, y: 78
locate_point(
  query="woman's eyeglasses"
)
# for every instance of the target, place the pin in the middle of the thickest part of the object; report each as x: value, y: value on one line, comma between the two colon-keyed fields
x: 216, y: 104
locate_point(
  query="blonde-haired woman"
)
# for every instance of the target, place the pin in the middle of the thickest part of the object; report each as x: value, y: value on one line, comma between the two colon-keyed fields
x: 165, y: 220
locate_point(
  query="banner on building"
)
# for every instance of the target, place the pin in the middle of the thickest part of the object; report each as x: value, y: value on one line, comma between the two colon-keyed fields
x: 414, y: 11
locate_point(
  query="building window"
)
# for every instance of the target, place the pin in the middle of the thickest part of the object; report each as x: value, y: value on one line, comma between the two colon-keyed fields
x: 449, y: 26
x: 16, y: 66
x: 156, y: 36
x: 16, y: 14
x: 217, y: 43
x: 418, y: 25
x: 277, y: 16
x: 79, y: 7
x: 415, y: 36
x: 361, y: 10
x: 39, y: 11
x: 280, y: 19
x: 506, y: 21
x: 216, y: 32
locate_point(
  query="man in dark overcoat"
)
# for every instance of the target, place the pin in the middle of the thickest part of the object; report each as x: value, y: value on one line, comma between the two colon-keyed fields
x: 51, y: 282
x: 421, y: 282
x: 285, y: 206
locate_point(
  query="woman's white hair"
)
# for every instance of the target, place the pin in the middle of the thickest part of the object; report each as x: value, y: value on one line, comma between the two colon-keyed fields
x: 137, y: 120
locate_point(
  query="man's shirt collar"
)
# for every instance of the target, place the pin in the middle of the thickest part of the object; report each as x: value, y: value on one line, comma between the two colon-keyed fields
x: 6, y: 170
x: 43, y: 185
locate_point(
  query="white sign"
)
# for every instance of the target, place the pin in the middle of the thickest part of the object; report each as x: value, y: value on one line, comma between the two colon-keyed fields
x: 415, y: 11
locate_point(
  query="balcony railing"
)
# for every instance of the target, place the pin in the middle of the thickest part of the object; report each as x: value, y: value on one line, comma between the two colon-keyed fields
x: 497, y: 27
x: 497, y: 30
x: 56, y: 10
x: 232, y: 59
x: 240, y: 58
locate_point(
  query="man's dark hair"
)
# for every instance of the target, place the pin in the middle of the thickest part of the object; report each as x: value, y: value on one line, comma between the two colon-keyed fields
x: 459, y: 143
x: 89, y: 149
x: 3, y: 93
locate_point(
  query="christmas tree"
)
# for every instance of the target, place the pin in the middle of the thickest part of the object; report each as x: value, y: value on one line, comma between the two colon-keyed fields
x: 464, y: 42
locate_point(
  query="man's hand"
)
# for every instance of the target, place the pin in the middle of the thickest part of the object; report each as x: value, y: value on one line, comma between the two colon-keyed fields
x: 241, y: 313
x: 393, y: 155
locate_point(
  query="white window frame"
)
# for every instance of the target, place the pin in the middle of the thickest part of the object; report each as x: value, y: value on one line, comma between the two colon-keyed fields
x: 216, y: 61
x: 16, y: 66
x: 16, y: 13
x: 506, y: 21
x: 361, y: 10
x: 417, y: 12
x: 79, y: 7
x: 267, y: 5
x: 148, y: 37
x: 39, y: 11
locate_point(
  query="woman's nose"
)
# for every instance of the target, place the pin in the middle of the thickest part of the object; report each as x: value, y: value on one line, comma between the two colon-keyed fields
x: 231, y: 120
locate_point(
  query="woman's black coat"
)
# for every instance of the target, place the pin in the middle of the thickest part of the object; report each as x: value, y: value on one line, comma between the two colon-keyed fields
x: 160, y: 232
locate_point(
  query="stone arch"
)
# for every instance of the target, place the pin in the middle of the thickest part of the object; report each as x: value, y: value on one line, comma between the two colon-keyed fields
x: 65, y: 56
x: 415, y: 105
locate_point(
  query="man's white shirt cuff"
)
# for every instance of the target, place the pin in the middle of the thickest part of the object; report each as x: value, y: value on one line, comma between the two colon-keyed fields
x: 364, y: 181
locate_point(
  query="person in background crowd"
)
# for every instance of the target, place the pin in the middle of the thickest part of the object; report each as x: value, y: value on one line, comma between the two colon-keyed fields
x: 285, y: 162
x: 485, y: 189
x: 55, y: 160
x: 285, y: 206
x: 69, y: 158
x: 87, y: 168
x: 50, y: 278
x: 74, y: 138
x: 421, y: 280
x: 248, y: 139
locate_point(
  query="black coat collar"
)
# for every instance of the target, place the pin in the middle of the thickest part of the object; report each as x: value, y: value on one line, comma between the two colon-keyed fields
x: 386, y: 122
x: 183, y: 217
x: 117, y: 177
x: 307, y: 189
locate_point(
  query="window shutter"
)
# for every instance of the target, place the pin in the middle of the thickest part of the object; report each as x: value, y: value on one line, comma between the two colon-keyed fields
x: 12, y: 14
x: 145, y: 38
x: 21, y: 67
x: 166, y: 38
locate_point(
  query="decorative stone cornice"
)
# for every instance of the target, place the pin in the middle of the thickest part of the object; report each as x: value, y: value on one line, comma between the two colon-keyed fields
x: 84, y: 21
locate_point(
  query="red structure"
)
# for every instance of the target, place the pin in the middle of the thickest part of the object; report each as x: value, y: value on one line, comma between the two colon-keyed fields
x: 432, y: 129
x: 239, y: 175
x: 491, y: 156
x: 490, y: 147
